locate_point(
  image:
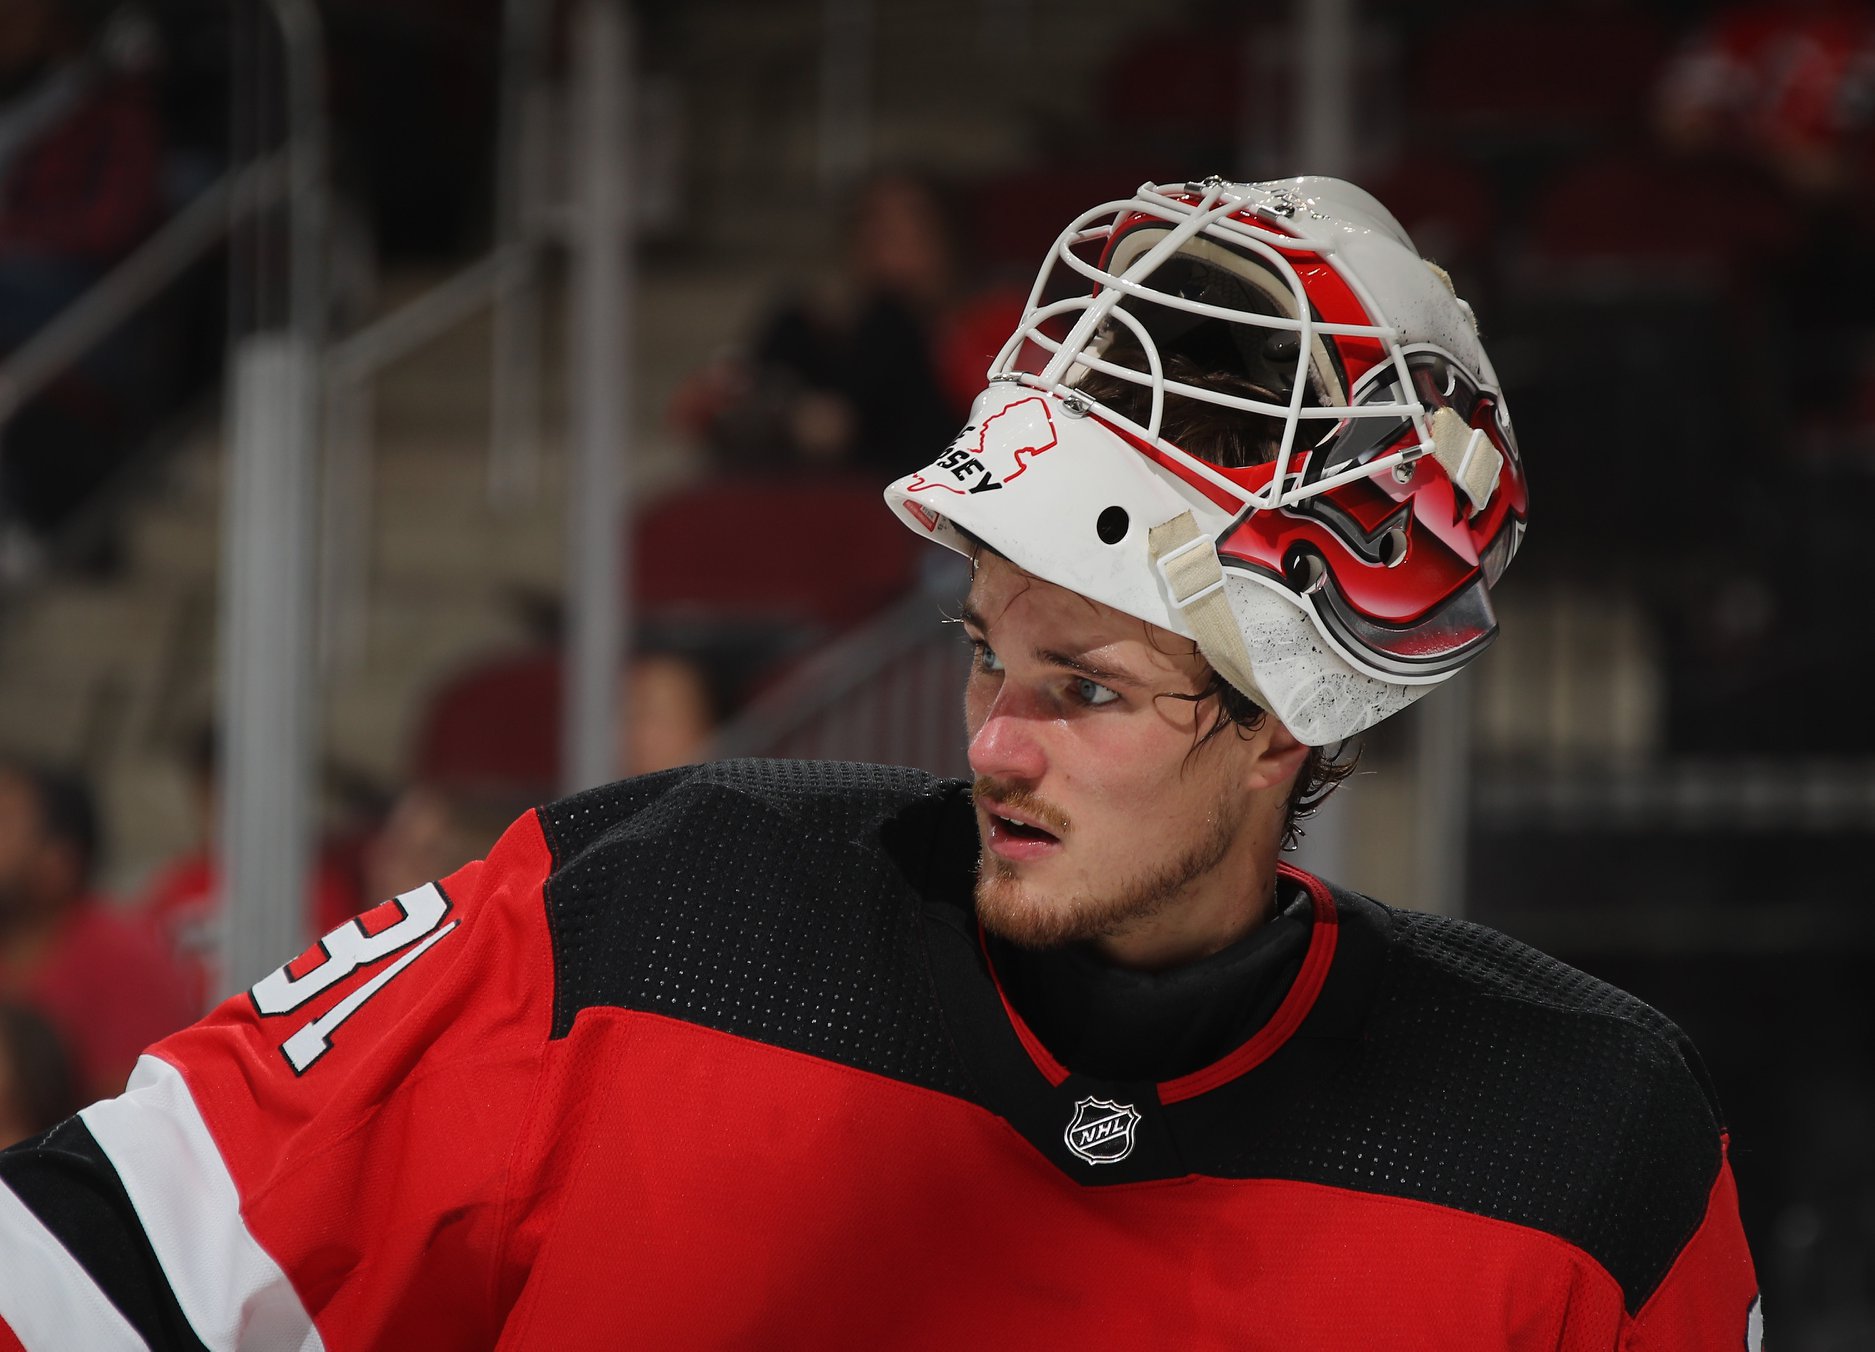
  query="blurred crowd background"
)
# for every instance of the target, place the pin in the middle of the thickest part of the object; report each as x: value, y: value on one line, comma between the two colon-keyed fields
x: 1665, y: 773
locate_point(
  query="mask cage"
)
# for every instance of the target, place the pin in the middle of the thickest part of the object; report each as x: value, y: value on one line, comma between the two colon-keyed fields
x: 1215, y: 216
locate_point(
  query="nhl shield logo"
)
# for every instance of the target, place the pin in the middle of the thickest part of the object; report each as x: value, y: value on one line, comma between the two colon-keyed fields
x: 1101, y: 1131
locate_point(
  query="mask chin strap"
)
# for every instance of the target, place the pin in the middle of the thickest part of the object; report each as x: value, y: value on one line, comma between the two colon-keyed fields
x: 1194, y: 580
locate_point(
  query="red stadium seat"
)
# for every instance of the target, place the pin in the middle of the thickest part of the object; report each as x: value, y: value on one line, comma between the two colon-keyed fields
x: 494, y: 725
x: 815, y: 552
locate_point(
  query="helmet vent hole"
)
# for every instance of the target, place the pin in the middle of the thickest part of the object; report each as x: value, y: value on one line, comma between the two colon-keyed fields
x: 1305, y: 572
x: 1112, y: 525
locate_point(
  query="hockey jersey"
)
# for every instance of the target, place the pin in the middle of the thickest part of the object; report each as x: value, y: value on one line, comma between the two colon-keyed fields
x: 715, y: 1058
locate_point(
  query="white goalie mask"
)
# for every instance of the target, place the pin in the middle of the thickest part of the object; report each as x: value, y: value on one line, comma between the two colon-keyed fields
x: 1339, y: 576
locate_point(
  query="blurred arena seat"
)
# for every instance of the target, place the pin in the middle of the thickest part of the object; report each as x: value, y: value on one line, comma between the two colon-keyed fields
x: 816, y: 553
x: 1012, y: 218
x: 494, y: 725
x: 1640, y: 220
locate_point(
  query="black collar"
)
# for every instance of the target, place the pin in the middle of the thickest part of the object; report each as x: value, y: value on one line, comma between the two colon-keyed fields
x: 1114, y: 1024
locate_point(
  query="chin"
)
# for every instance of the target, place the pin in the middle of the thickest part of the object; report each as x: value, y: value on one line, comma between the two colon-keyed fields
x: 1032, y: 916
x: 1013, y: 910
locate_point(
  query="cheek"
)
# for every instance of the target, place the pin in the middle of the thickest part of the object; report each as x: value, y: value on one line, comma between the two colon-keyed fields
x: 1128, y: 764
x: 1149, y: 773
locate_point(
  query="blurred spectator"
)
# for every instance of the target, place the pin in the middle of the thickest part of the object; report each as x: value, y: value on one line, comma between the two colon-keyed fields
x: 430, y: 831
x: 38, y: 1088
x: 80, y: 150
x: 1787, y: 90
x: 183, y: 899
x: 843, y: 375
x: 80, y: 185
x: 102, y: 979
x: 1790, y: 82
x: 669, y: 710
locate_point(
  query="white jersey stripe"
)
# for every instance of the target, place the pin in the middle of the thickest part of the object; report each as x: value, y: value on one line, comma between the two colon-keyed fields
x: 232, y: 1292
x: 46, y: 1297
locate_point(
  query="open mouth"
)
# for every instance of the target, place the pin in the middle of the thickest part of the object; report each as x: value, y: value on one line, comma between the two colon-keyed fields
x: 1019, y: 830
x: 1016, y: 838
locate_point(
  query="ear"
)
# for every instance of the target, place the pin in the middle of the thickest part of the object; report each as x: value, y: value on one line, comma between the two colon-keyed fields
x: 1276, y: 757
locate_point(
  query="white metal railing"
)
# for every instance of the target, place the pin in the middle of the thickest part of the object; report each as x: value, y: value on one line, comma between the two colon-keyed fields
x: 506, y: 282
x: 890, y: 691
x: 138, y: 279
x: 351, y: 367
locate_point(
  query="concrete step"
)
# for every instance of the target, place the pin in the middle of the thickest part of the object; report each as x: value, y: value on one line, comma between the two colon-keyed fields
x: 959, y: 90
x: 53, y: 715
x: 80, y: 627
x: 176, y: 540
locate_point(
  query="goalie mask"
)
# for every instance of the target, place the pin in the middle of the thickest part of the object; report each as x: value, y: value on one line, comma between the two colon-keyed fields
x: 1335, y: 561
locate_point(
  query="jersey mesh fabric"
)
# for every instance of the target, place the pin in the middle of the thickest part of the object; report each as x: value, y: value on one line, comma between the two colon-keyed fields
x: 792, y: 926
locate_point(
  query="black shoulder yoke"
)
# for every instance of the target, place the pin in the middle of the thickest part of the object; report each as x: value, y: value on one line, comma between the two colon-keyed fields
x: 775, y: 900
x: 1489, y: 1077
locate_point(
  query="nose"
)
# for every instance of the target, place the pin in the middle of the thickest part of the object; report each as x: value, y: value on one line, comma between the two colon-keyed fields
x: 1007, y: 744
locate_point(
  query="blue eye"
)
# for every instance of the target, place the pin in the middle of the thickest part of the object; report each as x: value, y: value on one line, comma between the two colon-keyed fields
x: 1092, y: 692
x: 986, y: 658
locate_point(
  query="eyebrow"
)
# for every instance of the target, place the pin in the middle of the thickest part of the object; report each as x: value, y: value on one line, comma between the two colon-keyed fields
x: 1073, y: 662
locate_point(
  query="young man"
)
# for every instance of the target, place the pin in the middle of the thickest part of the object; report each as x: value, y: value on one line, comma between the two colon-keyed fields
x: 780, y: 1055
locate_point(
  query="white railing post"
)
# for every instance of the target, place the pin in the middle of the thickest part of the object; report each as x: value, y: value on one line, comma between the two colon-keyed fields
x: 268, y: 654
x: 266, y: 698
x: 602, y: 294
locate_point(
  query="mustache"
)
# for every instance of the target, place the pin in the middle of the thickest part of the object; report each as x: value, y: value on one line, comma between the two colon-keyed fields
x: 992, y: 792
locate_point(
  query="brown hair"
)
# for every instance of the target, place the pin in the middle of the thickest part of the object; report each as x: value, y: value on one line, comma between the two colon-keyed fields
x: 1226, y: 437
x: 1322, y: 770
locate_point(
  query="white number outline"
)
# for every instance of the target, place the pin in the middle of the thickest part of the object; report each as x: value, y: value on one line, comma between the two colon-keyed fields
x: 346, y: 949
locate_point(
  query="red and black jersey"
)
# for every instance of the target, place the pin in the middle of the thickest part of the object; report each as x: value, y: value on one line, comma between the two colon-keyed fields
x: 715, y: 1058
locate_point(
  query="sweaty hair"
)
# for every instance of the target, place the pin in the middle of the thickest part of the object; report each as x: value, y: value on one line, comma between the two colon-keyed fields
x: 1322, y: 770
x: 1226, y: 437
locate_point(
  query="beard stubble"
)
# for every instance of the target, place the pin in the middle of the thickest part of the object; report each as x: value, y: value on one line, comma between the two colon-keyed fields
x: 1023, y: 915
